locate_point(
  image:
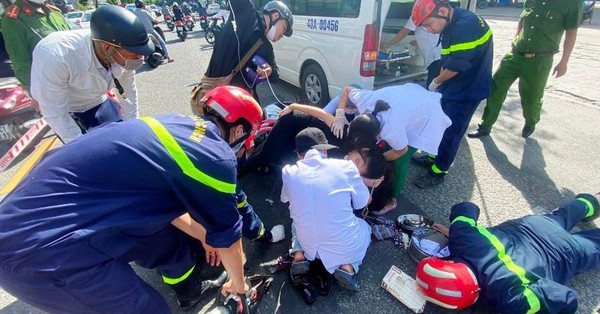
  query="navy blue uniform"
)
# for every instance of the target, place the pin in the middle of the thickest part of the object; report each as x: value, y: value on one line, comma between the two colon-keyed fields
x: 225, y: 56
x: 69, y: 230
x: 539, y: 256
x: 467, y: 48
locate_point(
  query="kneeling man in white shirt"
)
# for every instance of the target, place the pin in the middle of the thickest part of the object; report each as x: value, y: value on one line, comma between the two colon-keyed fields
x: 323, y: 193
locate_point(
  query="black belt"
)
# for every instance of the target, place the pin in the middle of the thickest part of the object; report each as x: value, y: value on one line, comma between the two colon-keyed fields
x: 531, y: 55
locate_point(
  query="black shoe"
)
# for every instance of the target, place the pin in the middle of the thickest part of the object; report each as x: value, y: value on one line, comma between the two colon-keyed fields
x: 423, y: 160
x: 481, y: 131
x: 527, y: 130
x: 302, y: 285
x: 321, y: 276
x: 428, y: 181
x: 193, y: 289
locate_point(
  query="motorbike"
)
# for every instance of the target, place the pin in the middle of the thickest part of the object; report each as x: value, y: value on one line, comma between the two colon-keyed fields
x: 17, y: 114
x: 156, y: 58
x: 588, y: 10
x: 203, y: 22
x: 160, y: 32
x: 169, y: 22
x: 189, y: 22
x: 213, y: 31
x: 181, y: 30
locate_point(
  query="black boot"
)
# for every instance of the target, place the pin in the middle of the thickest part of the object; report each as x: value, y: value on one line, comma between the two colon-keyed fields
x: 527, y: 130
x: 193, y: 289
x: 423, y: 160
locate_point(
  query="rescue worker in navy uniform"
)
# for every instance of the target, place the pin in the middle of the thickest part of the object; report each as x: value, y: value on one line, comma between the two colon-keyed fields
x: 127, y: 192
x: 523, y: 265
x: 243, y: 29
x: 464, y: 80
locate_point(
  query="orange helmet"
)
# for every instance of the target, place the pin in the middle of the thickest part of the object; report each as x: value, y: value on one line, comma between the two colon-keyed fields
x: 425, y: 8
x: 447, y: 284
x: 232, y: 104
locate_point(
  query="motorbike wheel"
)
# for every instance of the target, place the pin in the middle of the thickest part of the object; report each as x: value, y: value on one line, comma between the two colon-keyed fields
x: 171, y: 27
x: 482, y: 4
x: 210, y: 36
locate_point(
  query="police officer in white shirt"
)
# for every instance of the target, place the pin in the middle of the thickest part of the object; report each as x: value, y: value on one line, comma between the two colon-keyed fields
x: 323, y: 193
x: 73, y: 71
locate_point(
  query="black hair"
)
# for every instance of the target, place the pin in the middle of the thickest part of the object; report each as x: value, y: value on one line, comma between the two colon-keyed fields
x: 365, y: 128
x: 376, y: 163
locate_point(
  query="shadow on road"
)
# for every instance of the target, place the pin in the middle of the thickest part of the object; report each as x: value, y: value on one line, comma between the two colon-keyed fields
x: 531, y: 178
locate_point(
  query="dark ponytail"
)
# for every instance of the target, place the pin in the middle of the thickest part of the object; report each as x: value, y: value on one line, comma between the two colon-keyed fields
x: 380, y: 106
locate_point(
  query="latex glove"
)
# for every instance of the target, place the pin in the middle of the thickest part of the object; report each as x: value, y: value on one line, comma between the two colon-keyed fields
x: 433, y: 86
x: 337, y: 127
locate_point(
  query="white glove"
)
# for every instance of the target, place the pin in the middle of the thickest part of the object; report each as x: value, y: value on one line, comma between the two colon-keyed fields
x: 433, y: 86
x: 337, y: 127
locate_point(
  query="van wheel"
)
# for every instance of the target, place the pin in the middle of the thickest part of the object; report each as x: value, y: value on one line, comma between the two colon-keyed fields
x: 314, y: 85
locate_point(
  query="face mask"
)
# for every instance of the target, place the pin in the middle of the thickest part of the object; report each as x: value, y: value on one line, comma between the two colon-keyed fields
x: 130, y: 65
x: 271, y: 33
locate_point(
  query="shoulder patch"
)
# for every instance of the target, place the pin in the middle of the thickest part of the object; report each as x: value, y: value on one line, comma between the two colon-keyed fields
x: 12, y: 12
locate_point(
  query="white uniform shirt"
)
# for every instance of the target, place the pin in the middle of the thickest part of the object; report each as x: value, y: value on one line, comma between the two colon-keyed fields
x: 429, y: 44
x: 66, y: 76
x: 415, y: 116
x: 322, y: 194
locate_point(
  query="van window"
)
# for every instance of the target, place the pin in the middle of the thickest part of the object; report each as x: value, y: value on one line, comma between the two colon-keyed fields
x: 329, y: 8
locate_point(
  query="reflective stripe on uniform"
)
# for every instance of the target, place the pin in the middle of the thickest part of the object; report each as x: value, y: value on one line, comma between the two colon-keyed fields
x: 589, y: 205
x: 183, y: 161
x: 437, y: 170
x: 532, y: 299
x: 174, y: 281
x: 468, y: 45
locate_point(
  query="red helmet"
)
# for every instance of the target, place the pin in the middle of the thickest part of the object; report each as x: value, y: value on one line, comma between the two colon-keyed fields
x: 447, y: 284
x: 233, y: 103
x: 425, y: 8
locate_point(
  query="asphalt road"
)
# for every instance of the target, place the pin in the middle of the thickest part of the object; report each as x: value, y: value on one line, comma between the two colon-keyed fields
x: 506, y: 175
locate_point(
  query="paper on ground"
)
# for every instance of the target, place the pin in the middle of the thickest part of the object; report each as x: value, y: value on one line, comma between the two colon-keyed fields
x: 404, y: 288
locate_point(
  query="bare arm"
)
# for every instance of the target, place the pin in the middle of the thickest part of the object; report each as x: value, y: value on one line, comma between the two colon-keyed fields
x: 310, y: 110
x: 568, y: 45
x: 393, y: 154
x: 445, y: 75
x: 398, y: 38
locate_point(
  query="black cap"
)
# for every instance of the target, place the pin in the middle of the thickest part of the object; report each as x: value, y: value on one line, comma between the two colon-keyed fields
x: 312, y: 138
x: 118, y: 26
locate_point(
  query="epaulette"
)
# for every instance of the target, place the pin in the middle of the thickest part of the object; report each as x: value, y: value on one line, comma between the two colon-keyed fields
x: 53, y: 8
x: 12, y: 12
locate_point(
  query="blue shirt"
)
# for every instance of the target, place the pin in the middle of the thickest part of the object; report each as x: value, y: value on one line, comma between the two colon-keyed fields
x: 105, y: 189
x: 467, y: 48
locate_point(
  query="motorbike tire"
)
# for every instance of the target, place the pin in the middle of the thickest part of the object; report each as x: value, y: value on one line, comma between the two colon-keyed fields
x: 171, y: 27
x: 482, y: 4
x: 210, y: 36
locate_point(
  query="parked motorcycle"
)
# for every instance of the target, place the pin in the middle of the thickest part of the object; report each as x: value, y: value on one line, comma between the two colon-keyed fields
x: 588, y: 10
x: 181, y: 30
x: 17, y: 114
x: 169, y: 22
x: 156, y: 58
x: 213, y: 31
x: 203, y: 22
x: 189, y: 22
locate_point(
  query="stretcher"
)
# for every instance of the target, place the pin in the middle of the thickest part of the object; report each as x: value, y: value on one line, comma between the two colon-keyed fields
x: 389, y: 62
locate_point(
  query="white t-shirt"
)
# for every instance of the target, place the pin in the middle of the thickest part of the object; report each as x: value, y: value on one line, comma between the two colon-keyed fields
x: 323, y: 194
x: 429, y: 44
x: 415, y: 116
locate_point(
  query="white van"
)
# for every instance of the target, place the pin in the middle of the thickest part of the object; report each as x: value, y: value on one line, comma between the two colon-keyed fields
x: 336, y: 42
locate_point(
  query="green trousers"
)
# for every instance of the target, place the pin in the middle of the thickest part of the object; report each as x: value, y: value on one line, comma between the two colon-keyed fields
x: 401, y: 171
x: 532, y: 74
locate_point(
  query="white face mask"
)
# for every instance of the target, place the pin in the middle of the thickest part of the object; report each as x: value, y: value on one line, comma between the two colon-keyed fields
x: 271, y: 33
